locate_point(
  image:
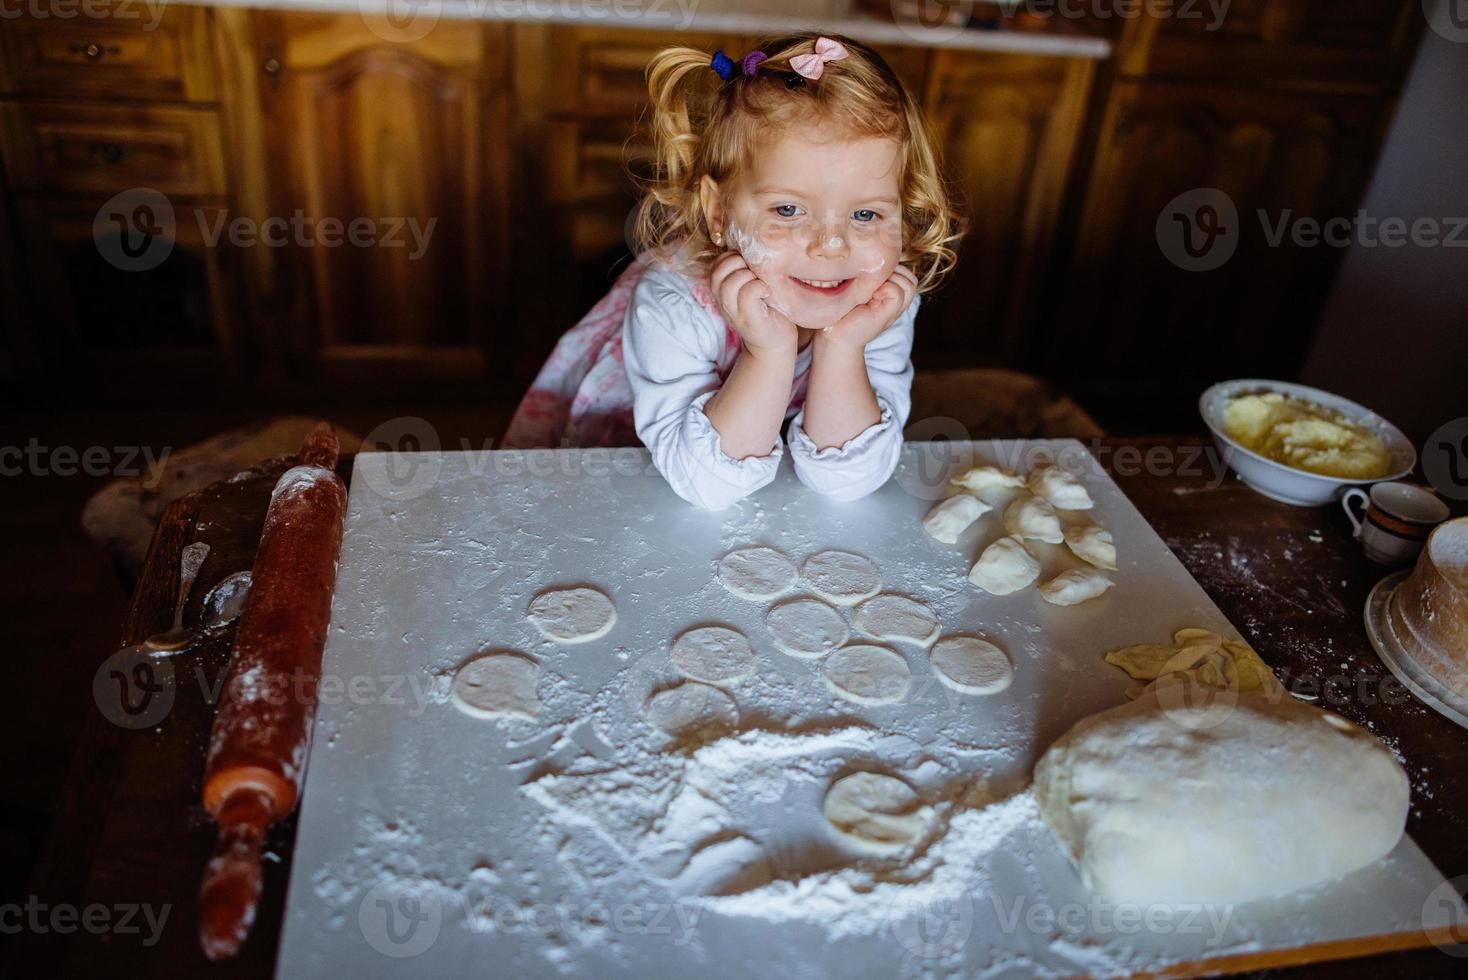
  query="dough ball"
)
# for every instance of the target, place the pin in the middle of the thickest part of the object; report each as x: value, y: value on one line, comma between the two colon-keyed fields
x: 896, y: 617
x: 497, y: 685
x: 841, y: 576
x: 952, y: 516
x: 1005, y: 566
x: 691, y: 706
x: 868, y: 674
x: 876, y: 813
x: 806, y: 628
x: 713, y: 654
x: 1061, y: 488
x: 756, y: 573
x: 970, y: 665
x: 576, y: 615
x: 1075, y: 587
x: 1258, y: 798
x: 985, y: 477
x: 1033, y: 517
x: 1093, y: 544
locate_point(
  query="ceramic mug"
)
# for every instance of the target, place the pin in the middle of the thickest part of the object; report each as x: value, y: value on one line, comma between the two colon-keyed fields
x: 1398, y: 519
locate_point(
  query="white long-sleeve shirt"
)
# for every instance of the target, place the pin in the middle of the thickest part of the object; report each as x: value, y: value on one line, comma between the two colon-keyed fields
x: 674, y: 350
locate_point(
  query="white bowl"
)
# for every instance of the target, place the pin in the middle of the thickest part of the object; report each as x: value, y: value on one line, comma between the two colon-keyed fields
x: 1286, y: 483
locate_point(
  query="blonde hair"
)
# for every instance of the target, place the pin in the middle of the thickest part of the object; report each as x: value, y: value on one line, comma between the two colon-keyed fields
x: 700, y: 124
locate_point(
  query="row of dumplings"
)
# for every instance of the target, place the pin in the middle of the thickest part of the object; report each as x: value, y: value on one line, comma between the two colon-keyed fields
x: 1008, y: 564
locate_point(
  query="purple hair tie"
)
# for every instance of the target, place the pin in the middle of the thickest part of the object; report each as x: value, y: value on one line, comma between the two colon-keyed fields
x: 751, y: 61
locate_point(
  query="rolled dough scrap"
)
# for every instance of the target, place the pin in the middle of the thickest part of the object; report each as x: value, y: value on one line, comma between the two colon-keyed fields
x: 689, y: 706
x: 496, y: 685
x: 841, y: 576
x: 1075, y: 587
x: 876, y: 813
x: 1005, y: 566
x: 896, y: 617
x: 757, y: 573
x: 1093, y: 544
x: 868, y: 674
x: 1203, y: 655
x: 806, y: 628
x: 952, y: 516
x: 987, y: 477
x: 713, y: 654
x: 1270, y: 797
x: 577, y: 615
x: 1061, y: 488
x: 970, y: 665
x: 1033, y: 517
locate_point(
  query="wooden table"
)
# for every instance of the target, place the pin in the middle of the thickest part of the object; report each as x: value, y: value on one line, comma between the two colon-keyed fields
x: 131, y: 831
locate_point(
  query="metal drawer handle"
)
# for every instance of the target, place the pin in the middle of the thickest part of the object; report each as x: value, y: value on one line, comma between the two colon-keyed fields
x: 95, y: 51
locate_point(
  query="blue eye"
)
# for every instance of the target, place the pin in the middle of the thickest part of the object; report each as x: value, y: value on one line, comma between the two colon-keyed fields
x: 780, y: 209
x: 870, y: 215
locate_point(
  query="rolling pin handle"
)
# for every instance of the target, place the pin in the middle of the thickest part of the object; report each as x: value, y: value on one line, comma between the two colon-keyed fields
x: 231, y: 888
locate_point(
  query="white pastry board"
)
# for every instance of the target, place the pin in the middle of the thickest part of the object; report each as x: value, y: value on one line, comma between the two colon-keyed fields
x: 426, y: 846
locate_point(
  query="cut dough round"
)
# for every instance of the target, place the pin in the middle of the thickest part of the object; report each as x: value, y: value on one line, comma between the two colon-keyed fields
x: 951, y: 516
x: 1005, y: 566
x: 1061, y: 488
x: 896, y: 617
x: 690, y: 706
x: 841, y: 576
x: 1263, y: 797
x: 806, y: 628
x: 985, y: 477
x: 1033, y: 517
x: 1075, y: 586
x: 497, y: 685
x: 1092, y: 544
x: 714, y: 655
x: 970, y: 665
x: 576, y: 615
x: 756, y: 573
x: 868, y: 674
x: 876, y: 813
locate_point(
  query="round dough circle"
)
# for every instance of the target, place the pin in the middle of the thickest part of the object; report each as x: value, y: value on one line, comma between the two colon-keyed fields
x: 806, y: 628
x: 876, y: 812
x: 757, y: 573
x: 713, y: 654
x: 689, y: 706
x: 496, y: 685
x: 970, y: 665
x: 841, y: 576
x: 897, y: 618
x: 576, y: 615
x: 868, y: 674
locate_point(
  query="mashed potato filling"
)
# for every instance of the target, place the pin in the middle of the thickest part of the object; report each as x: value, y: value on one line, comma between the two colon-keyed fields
x: 1307, y: 436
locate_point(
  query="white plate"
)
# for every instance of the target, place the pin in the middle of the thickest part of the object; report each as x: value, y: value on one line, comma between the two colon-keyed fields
x: 1428, y: 689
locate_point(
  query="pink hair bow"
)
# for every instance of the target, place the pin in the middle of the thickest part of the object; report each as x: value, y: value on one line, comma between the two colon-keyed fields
x: 812, y: 65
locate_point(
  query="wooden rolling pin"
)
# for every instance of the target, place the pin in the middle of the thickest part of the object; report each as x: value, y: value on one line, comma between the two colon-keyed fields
x: 257, y: 751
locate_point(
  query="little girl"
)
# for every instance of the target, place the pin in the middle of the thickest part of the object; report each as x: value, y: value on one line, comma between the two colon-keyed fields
x: 795, y: 215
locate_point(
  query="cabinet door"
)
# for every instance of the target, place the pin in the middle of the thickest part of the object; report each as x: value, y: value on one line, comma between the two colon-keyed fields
x: 1147, y: 327
x: 1008, y: 125
x: 406, y: 140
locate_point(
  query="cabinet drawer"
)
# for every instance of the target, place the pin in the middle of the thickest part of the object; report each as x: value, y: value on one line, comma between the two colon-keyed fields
x: 141, y: 51
x: 93, y: 147
x: 602, y: 71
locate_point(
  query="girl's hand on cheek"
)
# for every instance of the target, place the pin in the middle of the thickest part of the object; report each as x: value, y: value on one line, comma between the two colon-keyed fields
x: 864, y: 323
x: 743, y: 299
